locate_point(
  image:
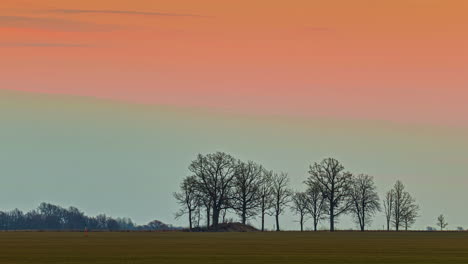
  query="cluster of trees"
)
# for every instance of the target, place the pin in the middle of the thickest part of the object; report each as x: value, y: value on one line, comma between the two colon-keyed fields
x: 219, y: 184
x: 52, y: 217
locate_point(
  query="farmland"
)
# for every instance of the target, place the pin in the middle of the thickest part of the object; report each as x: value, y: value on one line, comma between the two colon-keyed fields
x: 270, y: 247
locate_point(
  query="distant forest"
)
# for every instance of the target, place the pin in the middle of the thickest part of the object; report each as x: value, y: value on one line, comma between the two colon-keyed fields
x: 52, y: 217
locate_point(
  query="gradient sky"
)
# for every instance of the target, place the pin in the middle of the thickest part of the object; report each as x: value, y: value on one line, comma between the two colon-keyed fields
x: 399, y: 60
x: 114, y: 98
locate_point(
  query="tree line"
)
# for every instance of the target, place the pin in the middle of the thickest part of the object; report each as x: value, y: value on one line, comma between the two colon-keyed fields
x: 219, y: 183
x: 52, y: 217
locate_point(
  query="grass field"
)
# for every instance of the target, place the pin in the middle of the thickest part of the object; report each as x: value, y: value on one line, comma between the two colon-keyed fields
x: 284, y: 247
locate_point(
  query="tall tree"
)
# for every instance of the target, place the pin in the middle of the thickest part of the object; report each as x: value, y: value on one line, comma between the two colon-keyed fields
x: 405, y: 209
x: 266, y: 195
x: 365, y: 199
x: 281, y: 194
x: 389, y: 203
x: 315, y: 202
x: 188, y: 198
x: 246, y: 199
x: 215, y: 174
x: 300, y: 206
x: 441, y: 222
x: 335, y: 185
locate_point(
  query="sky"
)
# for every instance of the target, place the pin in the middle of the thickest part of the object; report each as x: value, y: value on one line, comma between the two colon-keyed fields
x: 399, y: 60
x: 381, y: 84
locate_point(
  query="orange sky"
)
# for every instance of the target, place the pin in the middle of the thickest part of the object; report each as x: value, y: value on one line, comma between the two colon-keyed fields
x: 400, y: 60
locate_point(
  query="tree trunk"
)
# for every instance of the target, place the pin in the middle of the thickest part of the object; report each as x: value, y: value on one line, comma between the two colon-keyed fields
x: 277, y: 222
x: 363, y: 223
x: 302, y: 223
x: 332, y: 219
x: 208, y: 216
x: 263, y: 221
x: 215, y: 217
x: 190, y: 219
x: 244, y: 214
x: 315, y: 225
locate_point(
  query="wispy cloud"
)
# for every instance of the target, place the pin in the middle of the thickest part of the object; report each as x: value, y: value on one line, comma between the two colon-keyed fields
x: 51, y: 24
x: 121, y: 12
x: 42, y: 45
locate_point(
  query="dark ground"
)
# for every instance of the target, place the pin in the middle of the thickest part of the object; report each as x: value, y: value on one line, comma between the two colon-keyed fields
x: 252, y: 247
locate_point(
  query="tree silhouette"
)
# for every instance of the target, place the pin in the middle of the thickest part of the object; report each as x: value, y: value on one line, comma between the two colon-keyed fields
x: 365, y: 199
x: 335, y: 186
x: 246, y: 199
x: 441, y: 222
x: 300, y: 206
x: 188, y: 198
x: 281, y: 195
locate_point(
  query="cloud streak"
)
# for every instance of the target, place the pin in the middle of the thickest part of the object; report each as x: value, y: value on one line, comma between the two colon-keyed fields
x: 42, y: 45
x: 121, y: 12
x: 51, y: 24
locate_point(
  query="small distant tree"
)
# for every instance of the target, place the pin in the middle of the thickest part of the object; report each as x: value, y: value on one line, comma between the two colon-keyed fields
x: 281, y: 195
x: 300, y: 207
x: 266, y: 196
x: 188, y: 198
x: 460, y: 228
x: 441, y: 222
x: 365, y: 199
x: 315, y: 202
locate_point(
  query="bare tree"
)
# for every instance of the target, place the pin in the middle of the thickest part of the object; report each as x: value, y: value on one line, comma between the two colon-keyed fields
x: 246, y: 199
x: 188, y: 199
x: 316, y: 202
x: 300, y: 207
x: 441, y: 222
x: 389, y: 204
x: 410, y: 214
x: 405, y: 210
x: 365, y: 199
x: 266, y: 195
x: 215, y: 174
x: 335, y: 185
x: 281, y: 195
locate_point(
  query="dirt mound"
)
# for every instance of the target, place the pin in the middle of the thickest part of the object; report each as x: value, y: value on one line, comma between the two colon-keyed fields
x: 227, y: 227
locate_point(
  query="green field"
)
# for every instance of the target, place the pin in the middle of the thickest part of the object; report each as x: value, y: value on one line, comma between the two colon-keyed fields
x: 284, y: 247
